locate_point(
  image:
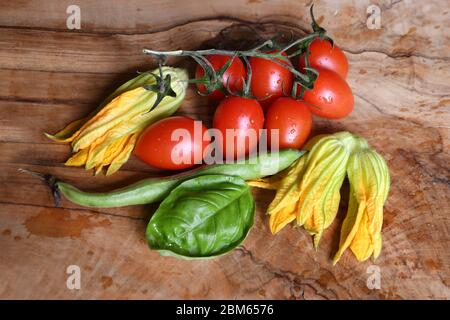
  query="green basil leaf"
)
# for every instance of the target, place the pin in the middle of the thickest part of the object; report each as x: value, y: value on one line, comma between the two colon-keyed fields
x: 203, y: 217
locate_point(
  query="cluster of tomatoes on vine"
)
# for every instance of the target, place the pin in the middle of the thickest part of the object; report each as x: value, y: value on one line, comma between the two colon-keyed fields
x: 270, y: 104
x: 265, y: 88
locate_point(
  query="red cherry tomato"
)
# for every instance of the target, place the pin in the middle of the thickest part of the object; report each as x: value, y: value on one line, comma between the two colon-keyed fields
x: 159, y: 148
x: 233, y: 75
x: 324, y: 55
x: 331, y: 96
x: 292, y: 119
x: 246, y: 117
x: 269, y: 80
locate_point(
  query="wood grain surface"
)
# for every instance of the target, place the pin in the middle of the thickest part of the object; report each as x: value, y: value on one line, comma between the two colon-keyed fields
x: 49, y: 75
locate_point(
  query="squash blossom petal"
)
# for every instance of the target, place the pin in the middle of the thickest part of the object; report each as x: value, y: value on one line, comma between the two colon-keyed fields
x: 319, y: 194
x: 369, y: 186
x: 283, y: 207
x: 144, y: 78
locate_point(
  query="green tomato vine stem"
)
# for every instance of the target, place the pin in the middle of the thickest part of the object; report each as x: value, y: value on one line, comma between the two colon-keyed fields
x: 212, y: 78
x: 276, y: 57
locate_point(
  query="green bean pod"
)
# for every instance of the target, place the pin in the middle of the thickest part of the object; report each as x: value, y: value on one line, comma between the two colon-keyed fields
x: 156, y: 189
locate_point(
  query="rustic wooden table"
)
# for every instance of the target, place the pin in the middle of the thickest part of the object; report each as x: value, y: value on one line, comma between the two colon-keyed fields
x: 50, y: 75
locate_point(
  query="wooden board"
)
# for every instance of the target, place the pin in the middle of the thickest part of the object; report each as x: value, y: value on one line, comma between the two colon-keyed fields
x: 50, y: 75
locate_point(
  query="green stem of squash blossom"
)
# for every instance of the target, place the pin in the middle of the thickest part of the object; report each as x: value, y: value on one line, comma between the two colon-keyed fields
x: 212, y: 78
x: 162, y: 87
